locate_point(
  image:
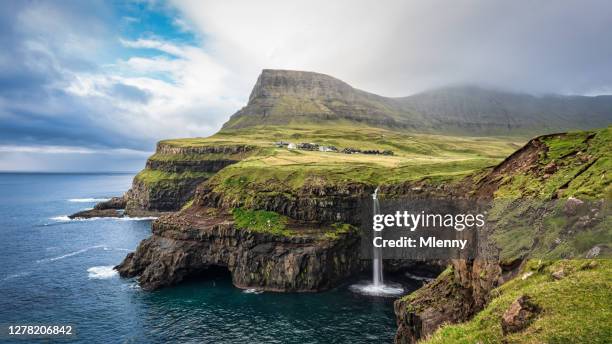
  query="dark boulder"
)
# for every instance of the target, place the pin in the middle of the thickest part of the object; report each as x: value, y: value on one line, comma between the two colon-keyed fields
x: 88, y: 214
x: 113, y: 203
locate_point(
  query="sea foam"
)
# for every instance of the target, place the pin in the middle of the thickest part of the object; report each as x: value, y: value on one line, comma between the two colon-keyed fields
x: 368, y: 288
x: 101, y: 272
x: 419, y: 278
x: 87, y: 200
x: 65, y: 218
x: 69, y: 254
x: 252, y: 291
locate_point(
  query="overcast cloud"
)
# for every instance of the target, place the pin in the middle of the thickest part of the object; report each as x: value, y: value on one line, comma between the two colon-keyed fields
x: 107, y: 81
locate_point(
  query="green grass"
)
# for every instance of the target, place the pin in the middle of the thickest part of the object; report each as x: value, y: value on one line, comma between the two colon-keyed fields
x: 583, y: 164
x: 561, y: 146
x: 364, y: 137
x: 445, y: 280
x: 530, y: 223
x: 416, y: 156
x: 267, y: 171
x: 260, y: 221
x: 575, y: 309
x: 187, y: 205
x: 337, y: 230
x: 198, y: 157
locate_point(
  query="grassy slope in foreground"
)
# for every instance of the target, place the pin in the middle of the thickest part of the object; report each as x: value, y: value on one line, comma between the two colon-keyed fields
x: 415, y: 156
x: 575, y: 309
x: 581, y: 163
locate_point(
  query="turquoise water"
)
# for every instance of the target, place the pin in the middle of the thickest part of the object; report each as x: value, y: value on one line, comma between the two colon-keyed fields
x: 54, y: 271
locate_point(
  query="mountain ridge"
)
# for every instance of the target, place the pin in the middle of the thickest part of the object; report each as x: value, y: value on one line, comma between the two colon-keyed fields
x: 282, y: 97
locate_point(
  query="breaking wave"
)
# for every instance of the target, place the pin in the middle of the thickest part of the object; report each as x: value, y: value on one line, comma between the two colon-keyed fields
x: 101, y: 272
x: 252, y: 291
x: 70, y: 254
x: 65, y: 218
x: 87, y: 200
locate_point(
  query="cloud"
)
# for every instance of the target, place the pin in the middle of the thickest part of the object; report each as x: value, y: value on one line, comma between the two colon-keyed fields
x: 70, y: 78
x: 184, y: 94
x: 154, y: 44
x: 68, y: 150
x: 96, y: 75
x: 20, y: 158
x: 400, y: 47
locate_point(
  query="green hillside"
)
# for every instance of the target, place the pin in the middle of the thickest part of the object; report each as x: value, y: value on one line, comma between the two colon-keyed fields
x: 574, y: 309
x: 285, y: 97
x: 281, y: 169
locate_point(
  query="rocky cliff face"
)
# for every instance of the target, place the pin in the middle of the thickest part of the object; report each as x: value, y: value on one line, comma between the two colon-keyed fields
x: 204, y: 236
x: 154, y: 198
x: 310, y: 203
x: 541, y: 176
x: 187, y: 244
x: 172, y: 174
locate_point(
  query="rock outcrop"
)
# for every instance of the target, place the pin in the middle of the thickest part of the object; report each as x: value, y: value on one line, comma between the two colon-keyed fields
x: 198, y: 178
x: 187, y: 244
x: 525, y: 192
x: 155, y: 198
x: 311, y: 203
x: 113, y: 203
x: 439, y: 302
x: 453, y: 297
x: 520, y: 314
x: 91, y: 213
x: 172, y: 174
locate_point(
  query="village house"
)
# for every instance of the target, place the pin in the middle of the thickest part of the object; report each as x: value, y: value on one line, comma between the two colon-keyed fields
x: 308, y: 146
x: 328, y: 149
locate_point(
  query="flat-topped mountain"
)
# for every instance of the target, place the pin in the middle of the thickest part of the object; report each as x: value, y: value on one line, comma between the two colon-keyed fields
x: 282, y: 97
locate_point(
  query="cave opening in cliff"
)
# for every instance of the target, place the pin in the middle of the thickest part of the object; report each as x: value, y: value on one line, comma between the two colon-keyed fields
x: 208, y: 273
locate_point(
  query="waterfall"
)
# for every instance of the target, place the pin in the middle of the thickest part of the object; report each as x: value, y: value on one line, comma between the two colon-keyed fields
x: 377, y: 286
x: 377, y: 261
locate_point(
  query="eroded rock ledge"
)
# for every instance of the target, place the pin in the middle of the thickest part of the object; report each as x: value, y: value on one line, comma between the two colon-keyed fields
x: 188, y: 244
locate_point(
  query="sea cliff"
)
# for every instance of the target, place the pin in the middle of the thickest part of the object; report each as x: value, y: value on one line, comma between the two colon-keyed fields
x: 284, y: 219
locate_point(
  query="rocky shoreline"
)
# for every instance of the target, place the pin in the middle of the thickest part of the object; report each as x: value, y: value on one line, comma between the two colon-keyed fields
x: 111, y: 208
x: 203, y: 234
x: 188, y: 244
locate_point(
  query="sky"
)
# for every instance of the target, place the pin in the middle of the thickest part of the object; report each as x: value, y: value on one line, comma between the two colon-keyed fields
x: 93, y: 85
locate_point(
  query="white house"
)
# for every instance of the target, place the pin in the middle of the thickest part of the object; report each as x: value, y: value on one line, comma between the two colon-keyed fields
x: 327, y: 149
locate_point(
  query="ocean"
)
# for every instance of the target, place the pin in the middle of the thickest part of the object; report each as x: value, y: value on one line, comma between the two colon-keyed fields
x: 56, y: 271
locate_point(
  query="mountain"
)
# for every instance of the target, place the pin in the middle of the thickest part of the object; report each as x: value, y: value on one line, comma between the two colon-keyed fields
x: 287, y: 220
x: 282, y: 97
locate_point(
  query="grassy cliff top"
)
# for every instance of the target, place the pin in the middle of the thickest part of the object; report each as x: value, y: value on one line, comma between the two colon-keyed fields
x: 575, y: 309
x: 345, y: 134
x: 282, y: 170
x: 574, y: 164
